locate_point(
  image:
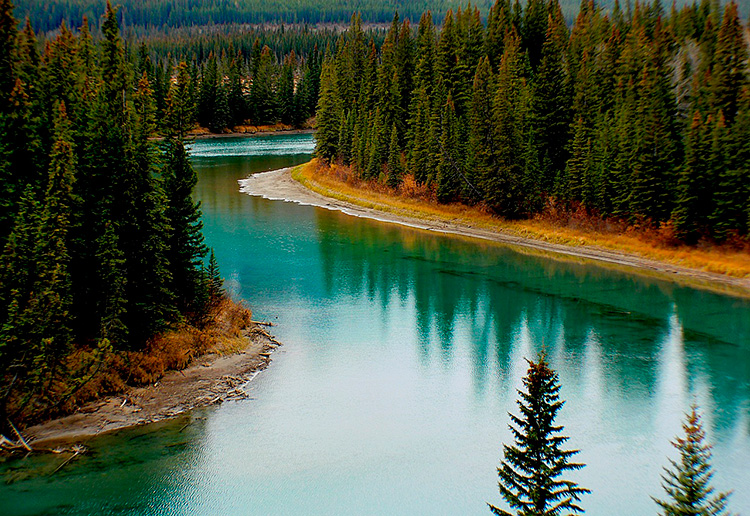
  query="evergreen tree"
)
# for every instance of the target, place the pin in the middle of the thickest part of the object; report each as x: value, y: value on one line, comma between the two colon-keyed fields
x: 235, y: 98
x: 395, y: 170
x: 729, y: 74
x: 499, y: 25
x: 8, y: 40
x: 482, y: 144
x: 419, y: 155
x: 179, y: 107
x: 450, y: 166
x: 185, y: 249
x: 262, y: 98
x: 534, y: 29
x: 530, y: 473
x: 215, y: 283
x: 286, y: 103
x: 551, y: 103
x: 688, y: 481
x: 329, y: 115
x: 503, y: 184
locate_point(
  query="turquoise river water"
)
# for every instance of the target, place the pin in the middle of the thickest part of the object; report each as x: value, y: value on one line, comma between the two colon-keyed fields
x: 402, y: 353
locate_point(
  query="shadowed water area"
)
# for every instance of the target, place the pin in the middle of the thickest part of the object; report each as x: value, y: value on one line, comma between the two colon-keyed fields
x: 402, y: 353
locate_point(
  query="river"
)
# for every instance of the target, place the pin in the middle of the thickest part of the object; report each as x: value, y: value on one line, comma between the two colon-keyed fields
x: 402, y: 353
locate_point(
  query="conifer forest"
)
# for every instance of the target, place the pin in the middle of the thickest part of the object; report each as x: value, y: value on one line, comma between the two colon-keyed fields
x: 641, y: 114
x: 101, y: 241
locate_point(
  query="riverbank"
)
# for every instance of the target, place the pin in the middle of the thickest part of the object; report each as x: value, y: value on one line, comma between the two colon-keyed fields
x: 215, y: 376
x: 201, y: 133
x: 311, y: 184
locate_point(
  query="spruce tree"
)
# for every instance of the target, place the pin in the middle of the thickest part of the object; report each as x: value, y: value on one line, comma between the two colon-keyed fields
x: 215, y: 283
x: 687, y: 481
x: 551, y: 102
x: 531, y: 473
x: 185, y: 248
x: 450, y: 165
x: 8, y: 41
x: 729, y: 74
x: 263, y: 99
x: 329, y: 115
x: 179, y: 108
x: 395, y: 170
x: 481, y: 149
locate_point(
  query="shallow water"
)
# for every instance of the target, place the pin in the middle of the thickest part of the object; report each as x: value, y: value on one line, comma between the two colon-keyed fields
x: 402, y: 352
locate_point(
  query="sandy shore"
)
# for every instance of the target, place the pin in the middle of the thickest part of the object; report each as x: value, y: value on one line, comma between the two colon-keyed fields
x: 279, y: 185
x: 209, y: 380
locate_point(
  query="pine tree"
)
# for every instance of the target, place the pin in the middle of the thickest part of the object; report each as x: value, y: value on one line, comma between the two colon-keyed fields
x: 503, y: 184
x: 8, y: 41
x: 499, y: 24
x: 551, y: 103
x: 185, y: 249
x: 329, y: 115
x: 450, y: 166
x: 534, y: 29
x: 694, y: 203
x: 209, y: 95
x: 287, y: 106
x: 143, y: 227
x: 688, y: 481
x: 262, y: 98
x: 215, y: 283
x: 235, y: 97
x: 481, y: 149
x: 179, y: 108
x: 729, y: 74
x: 419, y: 155
x: 530, y: 473
x: 395, y: 170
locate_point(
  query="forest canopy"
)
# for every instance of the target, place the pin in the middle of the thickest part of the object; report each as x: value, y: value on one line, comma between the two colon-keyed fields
x: 641, y: 115
x: 46, y: 15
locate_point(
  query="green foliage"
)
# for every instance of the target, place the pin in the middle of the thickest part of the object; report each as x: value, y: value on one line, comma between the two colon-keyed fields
x: 185, y: 248
x: 215, y: 283
x: 528, y: 114
x: 329, y: 114
x: 102, y: 248
x: 688, y: 481
x: 532, y: 470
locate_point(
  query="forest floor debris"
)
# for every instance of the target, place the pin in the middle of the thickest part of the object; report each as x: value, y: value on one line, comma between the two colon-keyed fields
x: 210, y: 379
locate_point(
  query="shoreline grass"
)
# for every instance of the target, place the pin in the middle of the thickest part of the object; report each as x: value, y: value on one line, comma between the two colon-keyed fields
x: 411, y: 200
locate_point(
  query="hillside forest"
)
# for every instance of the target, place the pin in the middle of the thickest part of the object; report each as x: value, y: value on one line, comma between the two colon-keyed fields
x: 100, y: 241
x: 642, y: 115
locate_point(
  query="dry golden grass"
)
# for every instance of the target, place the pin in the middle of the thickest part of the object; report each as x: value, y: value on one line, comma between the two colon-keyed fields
x: 221, y: 332
x: 412, y: 200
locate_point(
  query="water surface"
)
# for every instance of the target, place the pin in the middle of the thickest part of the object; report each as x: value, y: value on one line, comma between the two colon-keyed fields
x: 402, y: 352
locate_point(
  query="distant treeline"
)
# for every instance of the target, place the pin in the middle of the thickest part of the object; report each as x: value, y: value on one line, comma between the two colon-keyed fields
x: 230, y: 88
x: 47, y: 15
x: 100, y: 241
x: 644, y: 116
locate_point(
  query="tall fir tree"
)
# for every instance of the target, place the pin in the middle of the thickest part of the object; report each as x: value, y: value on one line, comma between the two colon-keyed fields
x: 687, y: 482
x: 532, y: 472
x: 185, y: 247
x: 329, y: 114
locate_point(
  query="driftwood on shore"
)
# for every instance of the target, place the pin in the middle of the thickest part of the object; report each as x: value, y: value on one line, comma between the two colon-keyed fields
x: 210, y: 379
